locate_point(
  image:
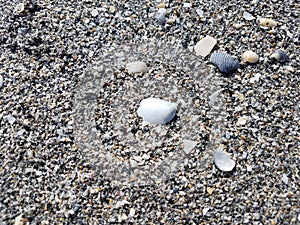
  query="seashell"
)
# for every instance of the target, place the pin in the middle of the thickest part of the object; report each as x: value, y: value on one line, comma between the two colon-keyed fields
x: 19, y: 8
x: 136, y: 67
x: 280, y: 55
x: 1, y: 81
x: 224, y: 62
x: 156, y: 111
x: 266, y: 22
x: 204, y: 46
x: 222, y: 161
x: 250, y: 56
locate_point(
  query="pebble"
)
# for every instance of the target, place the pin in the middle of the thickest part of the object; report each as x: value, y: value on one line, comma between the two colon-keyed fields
x: 188, y: 146
x: 1, y: 81
x: 225, y: 62
x: 242, y: 121
x: 204, y: 46
x: 136, y: 67
x: 161, y: 18
x: 248, y: 16
x: 94, y: 12
x: 156, y: 111
x: 222, y: 161
x: 266, y: 22
x: 250, y: 56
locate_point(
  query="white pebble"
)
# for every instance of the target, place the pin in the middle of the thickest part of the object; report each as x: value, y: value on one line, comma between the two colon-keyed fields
x: 136, y: 67
x: 242, y: 121
x: 156, y: 111
x: 222, y: 161
x: 250, y: 56
x: 94, y: 12
x: 188, y: 146
x: 1, y: 81
x: 248, y: 16
x: 132, y: 212
x: 204, y: 46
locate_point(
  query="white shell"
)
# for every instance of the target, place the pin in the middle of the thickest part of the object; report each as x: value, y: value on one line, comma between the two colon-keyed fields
x: 1, y: 81
x: 222, y: 161
x: 19, y: 8
x: 250, y: 56
x: 204, y: 46
x: 156, y: 111
x: 136, y: 67
x: 266, y: 22
x: 248, y: 16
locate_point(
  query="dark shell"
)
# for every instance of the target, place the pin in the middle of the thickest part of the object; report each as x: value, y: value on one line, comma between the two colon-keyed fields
x: 225, y: 62
x: 281, y: 55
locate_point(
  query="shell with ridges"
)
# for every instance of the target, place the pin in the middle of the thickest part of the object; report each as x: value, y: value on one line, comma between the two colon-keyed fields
x: 225, y: 62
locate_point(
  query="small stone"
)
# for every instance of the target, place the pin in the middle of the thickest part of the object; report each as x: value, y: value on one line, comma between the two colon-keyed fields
x: 187, y: 5
x: 94, y: 12
x: 238, y: 25
x: 131, y: 212
x: 249, y: 168
x: 161, y: 5
x: 242, y: 121
x: 1, y: 81
x: 136, y: 67
x: 204, y: 211
x: 10, y: 119
x: 285, y: 178
x: 210, y: 190
x: 250, y: 56
x: 188, y: 146
x: 248, y: 16
x: 204, y: 46
x: 266, y: 22
x: 161, y: 18
x: 20, y: 220
x: 222, y: 161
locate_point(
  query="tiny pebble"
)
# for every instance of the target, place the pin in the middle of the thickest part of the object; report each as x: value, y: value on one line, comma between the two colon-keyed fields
x: 250, y: 56
x: 188, y: 146
x: 248, y: 16
x: 242, y: 121
x: 94, y: 12
x: 136, y: 67
x: 204, y: 211
x: 280, y: 55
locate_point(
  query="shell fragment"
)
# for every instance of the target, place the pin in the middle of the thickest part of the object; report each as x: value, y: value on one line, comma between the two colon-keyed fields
x: 156, y: 111
x: 204, y: 46
x: 136, y: 67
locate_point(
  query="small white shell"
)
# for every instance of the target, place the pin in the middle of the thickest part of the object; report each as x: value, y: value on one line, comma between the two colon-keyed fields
x: 19, y: 8
x: 250, y: 56
x: 136, y: 67
x: 204, y: 46
x: 222, y: 161
x: 266, y: 22
x: 156, y: 111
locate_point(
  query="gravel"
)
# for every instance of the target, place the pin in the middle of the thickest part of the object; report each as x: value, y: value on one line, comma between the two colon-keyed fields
x: 73, y: 149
